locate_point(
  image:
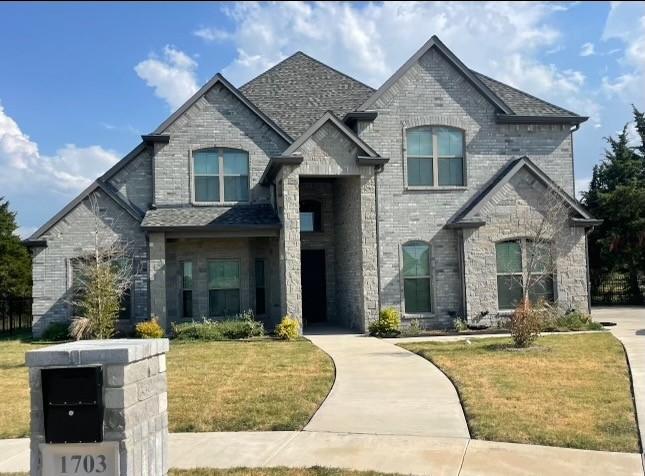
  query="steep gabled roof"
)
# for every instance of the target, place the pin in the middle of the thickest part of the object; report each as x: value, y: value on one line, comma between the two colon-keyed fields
x: 467, y: 216
x: 218, y: 78
x: 94, y: 186
x: 298, y: 90
x: 435, y: 42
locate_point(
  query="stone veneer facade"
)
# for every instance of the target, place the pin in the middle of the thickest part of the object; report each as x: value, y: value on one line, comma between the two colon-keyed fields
x: 368, y: 211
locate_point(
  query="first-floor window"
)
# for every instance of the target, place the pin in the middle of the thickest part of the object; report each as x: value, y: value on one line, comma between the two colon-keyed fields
x: 416, y: 277
x: 187, y: 289
x: 223, y: 288
x: 516, y: 259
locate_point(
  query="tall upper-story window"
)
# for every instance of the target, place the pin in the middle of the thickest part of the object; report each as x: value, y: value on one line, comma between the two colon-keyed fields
x: 220, y: 175
x: 435, y: 157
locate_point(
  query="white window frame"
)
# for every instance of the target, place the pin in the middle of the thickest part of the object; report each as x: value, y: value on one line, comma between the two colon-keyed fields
x: 221, y: 175
x: 435, y: 159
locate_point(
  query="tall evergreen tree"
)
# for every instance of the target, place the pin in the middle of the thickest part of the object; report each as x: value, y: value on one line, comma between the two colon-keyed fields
x: 617, y: 195
x: 15, y: 261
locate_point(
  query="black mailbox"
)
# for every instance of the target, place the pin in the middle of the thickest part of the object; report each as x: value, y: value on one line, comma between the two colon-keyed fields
x: 73, y: 404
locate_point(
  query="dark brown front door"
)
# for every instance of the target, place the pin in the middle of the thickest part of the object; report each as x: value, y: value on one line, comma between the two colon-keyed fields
x: 314, y: 293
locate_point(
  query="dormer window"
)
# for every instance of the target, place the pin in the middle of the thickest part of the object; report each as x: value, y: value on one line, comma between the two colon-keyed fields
x: 435, y: 157
x: 220, y: 175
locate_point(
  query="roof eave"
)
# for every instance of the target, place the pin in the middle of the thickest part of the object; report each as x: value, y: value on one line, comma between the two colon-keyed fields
x: 191, y: 228
x: 365, y: 160
x: 459, y: 225
x: 586, y: 222
x: 276, y: 163
x: 155, y: 138
x: 517, y: 119
x: 29, y: 243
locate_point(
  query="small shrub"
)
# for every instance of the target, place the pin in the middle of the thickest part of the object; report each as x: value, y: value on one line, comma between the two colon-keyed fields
x: 149, y: 329
x: 288, y: 329
x: 461, y: 325
x: 387, y: 325
x: 241, y: 326
x: 413, y: 329
x: 554, y: 320
x: 526, y: 324
x: 56, y: 331
x: 81, y: 328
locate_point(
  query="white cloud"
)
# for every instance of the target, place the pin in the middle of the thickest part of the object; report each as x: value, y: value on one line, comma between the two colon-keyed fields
x: 626, y: 22
x: 212, y: 34
x: 587, y: 49
x: 173, y: 77
x: 24, y: 170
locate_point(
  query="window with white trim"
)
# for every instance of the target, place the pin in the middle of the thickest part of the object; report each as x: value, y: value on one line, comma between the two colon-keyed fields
x: 416, y: 277
x: 435, y: 157
x: 220, y: 175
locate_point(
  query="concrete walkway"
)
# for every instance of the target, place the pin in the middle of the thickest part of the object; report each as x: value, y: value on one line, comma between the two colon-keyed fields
x: 417, y: 455
x: 630, y: 330
x: 383, y: 389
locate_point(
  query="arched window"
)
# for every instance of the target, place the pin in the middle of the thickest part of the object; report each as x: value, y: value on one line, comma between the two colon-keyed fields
x: 310, y: 216
x: 519, y: 259
x: 435, y: 157
x: 416, y: 277
x: 220, y: 175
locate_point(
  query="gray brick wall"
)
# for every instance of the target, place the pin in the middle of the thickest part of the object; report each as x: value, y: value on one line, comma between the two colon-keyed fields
x: 432, y: 92
x: 134, y: 181
x: 72, y: 237
x: 218, y: 119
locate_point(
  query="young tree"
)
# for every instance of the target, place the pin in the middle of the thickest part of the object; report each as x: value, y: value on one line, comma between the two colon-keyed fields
x: 102, y: 279
x: 617, y: 195
x: 15, y: 261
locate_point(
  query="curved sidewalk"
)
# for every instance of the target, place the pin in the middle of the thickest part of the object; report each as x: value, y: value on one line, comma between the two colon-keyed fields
x: 383, y: 389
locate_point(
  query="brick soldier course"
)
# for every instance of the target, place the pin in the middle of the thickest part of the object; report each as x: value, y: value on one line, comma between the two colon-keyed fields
x: 314, y: 133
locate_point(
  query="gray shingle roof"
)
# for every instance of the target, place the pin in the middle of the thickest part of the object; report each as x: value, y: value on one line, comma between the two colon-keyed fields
x: 212, y: 218
x: 522, y: 104
x: 297, y: 91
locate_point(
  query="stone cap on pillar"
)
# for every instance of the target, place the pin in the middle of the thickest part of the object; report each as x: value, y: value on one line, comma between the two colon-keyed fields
x: 92, y: 352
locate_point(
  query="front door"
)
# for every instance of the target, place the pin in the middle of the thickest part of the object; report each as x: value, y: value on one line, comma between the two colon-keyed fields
x: 314, y: 293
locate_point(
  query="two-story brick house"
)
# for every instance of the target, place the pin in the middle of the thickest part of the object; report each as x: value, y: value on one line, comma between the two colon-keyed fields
x: 307, y: 192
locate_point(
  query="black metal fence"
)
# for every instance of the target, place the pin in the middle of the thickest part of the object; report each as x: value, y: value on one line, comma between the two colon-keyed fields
x: 616, y: 289
x: 15, y: 314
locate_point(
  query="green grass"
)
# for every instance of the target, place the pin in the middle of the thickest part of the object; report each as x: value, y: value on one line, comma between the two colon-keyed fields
x: 568, y: 390
x: 212, y: 386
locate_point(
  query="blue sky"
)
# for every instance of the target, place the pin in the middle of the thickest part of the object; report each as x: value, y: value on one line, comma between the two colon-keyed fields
x: 80, y: 83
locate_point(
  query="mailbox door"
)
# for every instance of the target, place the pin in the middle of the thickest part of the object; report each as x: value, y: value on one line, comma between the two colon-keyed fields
x: 73, y: 404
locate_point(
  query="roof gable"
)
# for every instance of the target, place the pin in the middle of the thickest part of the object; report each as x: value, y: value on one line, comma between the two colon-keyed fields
x: 298, y: 90
x: 468, y: 215
x: 330, y: 117
x: 434, y: 42
x: 218, y: 78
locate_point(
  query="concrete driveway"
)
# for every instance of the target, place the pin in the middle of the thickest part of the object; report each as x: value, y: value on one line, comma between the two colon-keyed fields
x: 383, y: 389
x: 630, y: 330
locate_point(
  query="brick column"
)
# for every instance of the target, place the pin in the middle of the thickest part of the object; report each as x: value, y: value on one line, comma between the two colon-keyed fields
x: 157, y: 270
x: 289, y: 203
x: 369, y: 265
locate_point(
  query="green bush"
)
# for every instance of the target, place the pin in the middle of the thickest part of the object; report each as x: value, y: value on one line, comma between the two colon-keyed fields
x: 387, y: 325
x: 241, y: 326
x: 288, y: 329
x: 149, y: 329
x: 56, y: 331
x: 572, y: 320
x: 413, y: 329
x: 460, y: 325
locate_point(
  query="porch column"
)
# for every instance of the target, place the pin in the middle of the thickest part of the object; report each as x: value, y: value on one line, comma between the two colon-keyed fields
x: 289, y: 203
x: 157, y: 276
x: 369, y: 248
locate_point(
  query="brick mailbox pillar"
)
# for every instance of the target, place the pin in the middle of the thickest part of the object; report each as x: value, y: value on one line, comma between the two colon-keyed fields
x: 99, y: 407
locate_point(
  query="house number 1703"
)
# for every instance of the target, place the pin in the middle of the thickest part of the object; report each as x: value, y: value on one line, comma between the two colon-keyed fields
x: 85, y: 464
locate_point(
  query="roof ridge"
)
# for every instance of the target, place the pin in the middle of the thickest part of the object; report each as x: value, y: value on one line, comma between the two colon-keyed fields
x: 301, y: 53
x: 524, y: 92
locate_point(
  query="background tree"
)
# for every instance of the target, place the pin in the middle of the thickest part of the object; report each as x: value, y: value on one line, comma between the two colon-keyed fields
x: 617, y: 195
x: 102, y: 279
x: 15, y: 260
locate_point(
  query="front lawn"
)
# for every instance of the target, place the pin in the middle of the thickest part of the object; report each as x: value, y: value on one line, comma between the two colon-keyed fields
x: 569, y: 390
x: 314, y: 471
x: 212, y: 386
